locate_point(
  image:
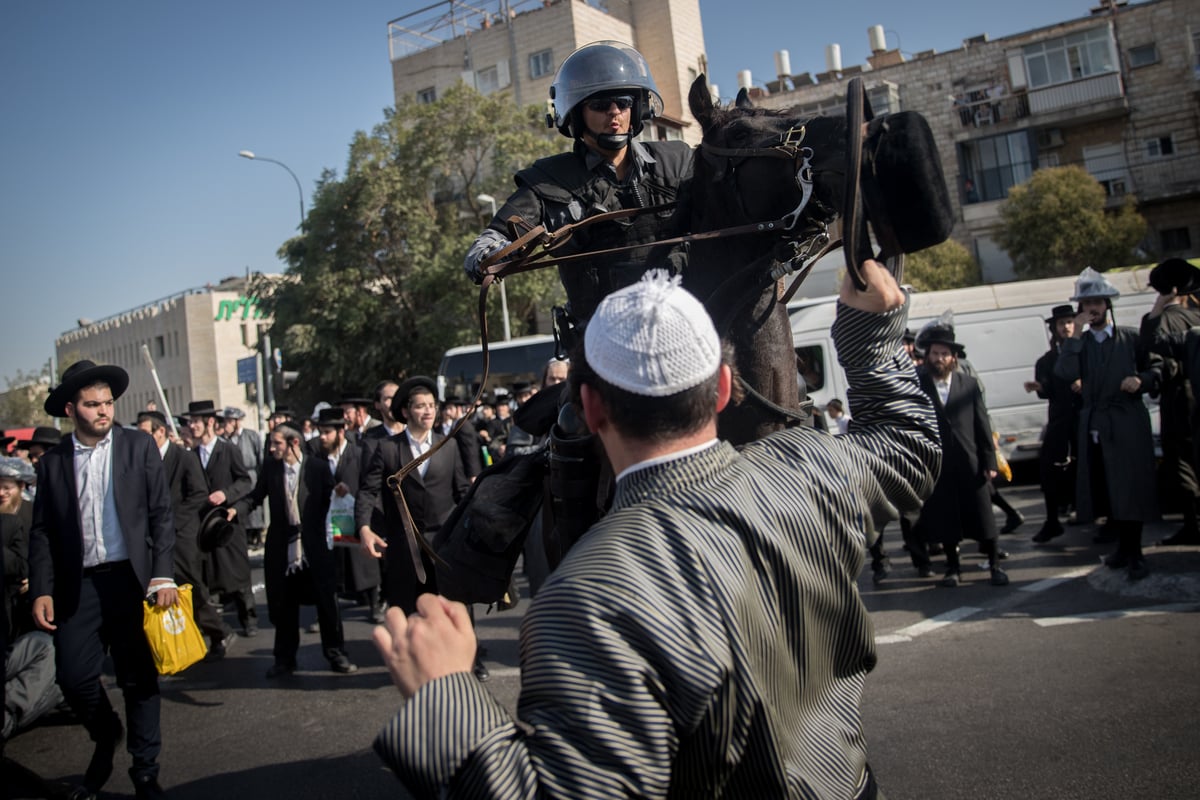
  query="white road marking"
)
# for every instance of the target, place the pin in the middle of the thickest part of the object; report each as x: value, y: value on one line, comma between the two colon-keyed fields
x: 1058, y: 580
x: 927, y: 625
x: 1121, y: 613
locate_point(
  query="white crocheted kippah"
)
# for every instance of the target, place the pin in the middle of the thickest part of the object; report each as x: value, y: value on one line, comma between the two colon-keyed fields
x: 653, y: 338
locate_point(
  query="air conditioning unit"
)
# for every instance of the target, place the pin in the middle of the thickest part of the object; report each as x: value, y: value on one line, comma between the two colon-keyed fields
x: 1049, y: 137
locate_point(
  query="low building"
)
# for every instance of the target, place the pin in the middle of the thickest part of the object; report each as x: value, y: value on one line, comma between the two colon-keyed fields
x: 196, y: 340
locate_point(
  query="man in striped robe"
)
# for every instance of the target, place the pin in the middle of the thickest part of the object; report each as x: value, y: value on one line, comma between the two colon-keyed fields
x: 706, y: 637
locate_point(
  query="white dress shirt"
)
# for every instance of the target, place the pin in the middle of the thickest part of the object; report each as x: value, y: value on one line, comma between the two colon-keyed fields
x: 103, y: 539
x: 943, y: 388
x: 419, y: 448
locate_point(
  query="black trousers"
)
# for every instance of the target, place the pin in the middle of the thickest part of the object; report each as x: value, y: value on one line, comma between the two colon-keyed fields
x: 188, y: 569
x: 109, y: 618
x: 402, y: 586
x: 286, y: 593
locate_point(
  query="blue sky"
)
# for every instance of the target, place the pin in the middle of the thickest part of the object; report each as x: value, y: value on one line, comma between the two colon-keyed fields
x: 122, y: 121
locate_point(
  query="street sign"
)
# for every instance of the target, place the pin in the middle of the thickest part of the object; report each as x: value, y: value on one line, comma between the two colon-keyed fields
x: 247, y: 369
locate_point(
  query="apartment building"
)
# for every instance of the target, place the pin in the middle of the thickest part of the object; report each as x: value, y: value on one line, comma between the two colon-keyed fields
x: 516, y: 46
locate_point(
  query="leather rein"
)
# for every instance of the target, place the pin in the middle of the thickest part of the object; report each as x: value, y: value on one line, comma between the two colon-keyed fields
x: 533, y: 247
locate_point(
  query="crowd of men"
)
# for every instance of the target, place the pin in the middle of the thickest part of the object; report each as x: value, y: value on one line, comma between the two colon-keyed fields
x: 1097, y: 461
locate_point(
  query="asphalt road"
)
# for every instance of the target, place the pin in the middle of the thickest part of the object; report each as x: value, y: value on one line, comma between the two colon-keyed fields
x: 1072, y: 682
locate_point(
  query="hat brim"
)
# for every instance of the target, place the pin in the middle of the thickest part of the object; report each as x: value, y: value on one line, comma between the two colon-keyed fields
x: 1177, y: 275
x: 215, y: 530
x: 116, y: 378
x: 405, y: 390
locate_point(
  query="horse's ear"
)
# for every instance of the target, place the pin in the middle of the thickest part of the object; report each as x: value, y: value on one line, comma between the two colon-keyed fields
x: 700, y: 100
x: 743, y: 99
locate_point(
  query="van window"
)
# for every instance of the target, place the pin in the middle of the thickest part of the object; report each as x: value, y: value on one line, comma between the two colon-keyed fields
x: 461, y: 372
x: 810, y: 364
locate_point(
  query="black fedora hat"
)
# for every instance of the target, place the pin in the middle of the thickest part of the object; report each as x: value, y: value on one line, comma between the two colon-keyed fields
x: 1175, y: 274
x: 283, y: 411
x: 406, y: 389
x: 355, y: 397
x: 44, y: 435
x: 331, y: 417
x: 1061, y: 312
x: 215, y: 529
x: 894, y: 181
x: 939, y: 334
x: 82, y: 374
x: 202, y: 408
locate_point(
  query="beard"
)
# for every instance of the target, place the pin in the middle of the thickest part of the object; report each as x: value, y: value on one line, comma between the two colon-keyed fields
x: 12, y: 505
x: 940, y: 369
x: 98, y: 427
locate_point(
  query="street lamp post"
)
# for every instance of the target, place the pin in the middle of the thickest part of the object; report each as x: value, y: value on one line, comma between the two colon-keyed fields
x: 488, y: 200
x: 250, y: 155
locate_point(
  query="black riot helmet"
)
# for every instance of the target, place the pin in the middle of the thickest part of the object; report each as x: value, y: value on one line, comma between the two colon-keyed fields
x: 602, y: 68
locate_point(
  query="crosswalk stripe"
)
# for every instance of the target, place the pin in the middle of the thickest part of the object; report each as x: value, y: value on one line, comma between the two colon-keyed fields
x: 926, y: 625
x: 1058, y: 580
x: 1121, y: 613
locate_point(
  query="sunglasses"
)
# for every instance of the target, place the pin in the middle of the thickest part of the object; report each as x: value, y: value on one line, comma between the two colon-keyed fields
x: 624, y: 103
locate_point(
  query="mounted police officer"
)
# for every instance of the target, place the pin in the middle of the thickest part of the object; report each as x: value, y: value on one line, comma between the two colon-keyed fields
x: 602, y: 96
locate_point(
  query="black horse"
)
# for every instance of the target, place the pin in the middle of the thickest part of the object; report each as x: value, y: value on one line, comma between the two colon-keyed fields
x: 752, y: 167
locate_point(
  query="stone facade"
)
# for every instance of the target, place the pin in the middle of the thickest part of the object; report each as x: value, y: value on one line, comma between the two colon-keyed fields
x: 1123, y: 106
x: 195, y: 338
x: 519, y: 52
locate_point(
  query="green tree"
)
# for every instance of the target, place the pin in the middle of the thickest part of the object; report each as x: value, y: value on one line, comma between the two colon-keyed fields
x: 1056, y: 224
x: 21, y: 403
x: 374, y: 285
x: 948, y: 265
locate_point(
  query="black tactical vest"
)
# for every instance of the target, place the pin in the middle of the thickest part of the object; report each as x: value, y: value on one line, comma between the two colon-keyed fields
x: 569, y: 192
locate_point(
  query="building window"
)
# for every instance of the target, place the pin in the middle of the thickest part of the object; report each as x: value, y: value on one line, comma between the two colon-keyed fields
x: 487, y: 80
x: 427, y: 96
x: 160, y: 346
x: 1143, y: 55
x: 1159, y: 146
x: 541, y: 64
x: 994, y: 165
x: 1175, y: 239
x: 1069, y: 58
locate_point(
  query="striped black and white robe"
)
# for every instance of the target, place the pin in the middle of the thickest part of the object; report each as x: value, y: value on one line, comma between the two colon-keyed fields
x: 706, y: 638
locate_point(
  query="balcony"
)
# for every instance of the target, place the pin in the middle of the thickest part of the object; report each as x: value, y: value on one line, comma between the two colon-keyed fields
x: 1098, y: 96
x: 1084, y: 92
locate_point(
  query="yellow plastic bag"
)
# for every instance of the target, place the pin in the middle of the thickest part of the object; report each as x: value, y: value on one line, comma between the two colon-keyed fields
x: 1002, y: 465
x: 175, y: 641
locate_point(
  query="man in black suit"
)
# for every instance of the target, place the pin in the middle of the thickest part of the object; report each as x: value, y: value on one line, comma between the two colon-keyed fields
x: 960, y: 506
x: 102, y: 541
x: 298, y: 563
x: 431, y: 491
x: 189, y: 494
x: 228, y: 485
x: 467, y: 438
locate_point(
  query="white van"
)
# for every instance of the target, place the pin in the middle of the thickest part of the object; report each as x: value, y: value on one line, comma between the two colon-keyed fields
x: 1001, y: 326
x: 518, y: 360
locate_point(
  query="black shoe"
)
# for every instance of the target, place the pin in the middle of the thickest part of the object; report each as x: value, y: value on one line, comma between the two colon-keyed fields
x: 880, y: 570
x: 1118, y: 560
x: 250, y: 630
x: 999, y: 577
x: 1014, y: 521
x: 481, y: 671
x: 340, y: 663
x: 218, y: 649
x: 281, y: 668
x: 1105, y: 535
x: 314, y: 627
x: 146, y: 787
x: 936, y: 549
x: 925, y: 571
x: 951, y: 580
x: 1048, y: 531
x: 100, y: 768
x: 1183, y: 536
x: 1138, y: 569
x: 378, y: 615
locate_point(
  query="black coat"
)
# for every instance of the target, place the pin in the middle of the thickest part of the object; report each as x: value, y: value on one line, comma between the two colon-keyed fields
x: 430, y: 499
x: 1062, y: 413
x: 357, y: 571
x: 226, y: 472
x: 14, y: 542
x: 1120, y: 419
x: 189, y: 494
x: 960, y: 506
x: 143, y: 501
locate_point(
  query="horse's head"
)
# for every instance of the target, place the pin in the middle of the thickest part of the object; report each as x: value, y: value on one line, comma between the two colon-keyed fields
x: 756, y: 165
x: 762, y: 165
